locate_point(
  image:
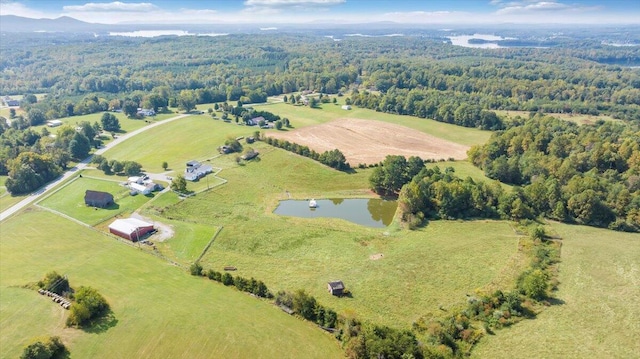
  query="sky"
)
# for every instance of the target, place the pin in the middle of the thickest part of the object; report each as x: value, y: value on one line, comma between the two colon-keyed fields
x: 341, y: 11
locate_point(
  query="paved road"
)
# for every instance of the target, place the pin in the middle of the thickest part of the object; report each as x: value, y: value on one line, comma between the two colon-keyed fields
x: 46, y: 188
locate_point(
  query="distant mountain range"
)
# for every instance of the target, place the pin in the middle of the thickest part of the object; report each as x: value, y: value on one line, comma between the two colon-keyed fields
x: 12, y: 23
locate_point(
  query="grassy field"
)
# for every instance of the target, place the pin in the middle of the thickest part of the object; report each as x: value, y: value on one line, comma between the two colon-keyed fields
x: 301, y: 116
x: 194, y: 137
x: 159, y: 310
x: 70, y: 200
x: 419, y: 271
x: 599, y: 316
x: 577, y: 118
x: 126, y: 124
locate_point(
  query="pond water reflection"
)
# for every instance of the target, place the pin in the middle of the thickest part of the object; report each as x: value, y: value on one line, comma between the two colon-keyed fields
x: 367, y: 212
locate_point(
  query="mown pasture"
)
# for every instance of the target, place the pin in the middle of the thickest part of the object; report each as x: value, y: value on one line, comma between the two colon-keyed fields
x: 418, y: 271
x: 597, y: 313
x: 194, y: 137
x: 126, y: 124
x: 69, y: 200
x: 159, y: 310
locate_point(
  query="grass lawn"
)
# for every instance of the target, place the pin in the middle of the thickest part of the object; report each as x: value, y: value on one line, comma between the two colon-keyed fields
x: 70, y: 200
x: 159, y: 310
x: 126, y: 124
x: 419, y: 271
x: 194, y: 137
x: 600, y: 290
x: 577, y: 118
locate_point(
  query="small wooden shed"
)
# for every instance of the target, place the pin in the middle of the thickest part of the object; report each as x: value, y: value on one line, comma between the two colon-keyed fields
x: 336, y: 287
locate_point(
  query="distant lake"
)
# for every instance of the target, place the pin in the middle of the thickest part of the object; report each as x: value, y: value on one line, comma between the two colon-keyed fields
x: 156, y: 33
x: 463, y: 40
x: 367, y: 212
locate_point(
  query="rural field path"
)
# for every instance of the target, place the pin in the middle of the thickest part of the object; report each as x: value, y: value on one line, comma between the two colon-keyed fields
x: 80, y: 166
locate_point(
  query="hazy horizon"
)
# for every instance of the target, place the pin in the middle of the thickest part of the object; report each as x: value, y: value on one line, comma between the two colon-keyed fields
x: 291, y: 12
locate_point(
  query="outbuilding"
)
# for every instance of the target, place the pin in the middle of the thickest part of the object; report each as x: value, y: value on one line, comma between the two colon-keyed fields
x: 336, y: 287
x: 130, y: 228
x: 98, y: 199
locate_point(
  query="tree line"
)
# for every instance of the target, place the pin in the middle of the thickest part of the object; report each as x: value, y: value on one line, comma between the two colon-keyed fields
x: 334, y: 158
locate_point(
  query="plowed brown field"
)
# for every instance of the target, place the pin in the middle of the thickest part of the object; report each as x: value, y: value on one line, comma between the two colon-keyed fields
x: 369, y: 141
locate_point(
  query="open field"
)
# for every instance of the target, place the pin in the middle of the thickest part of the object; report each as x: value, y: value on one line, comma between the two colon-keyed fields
x: 126, y: 124
x: 301, y: 116
x: 367, y: 141
x: 599, y: 316
x: 577, y: 118
x: 70, y: 200
x: 425, y: 268
x: 194, y: 137
x: 159, y: 310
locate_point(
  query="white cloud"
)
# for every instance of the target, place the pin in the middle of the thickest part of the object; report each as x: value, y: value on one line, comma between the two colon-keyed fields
x: 292, y: 3
x: 19, y: 9
x: 534, y: 6
x: 115, y: 6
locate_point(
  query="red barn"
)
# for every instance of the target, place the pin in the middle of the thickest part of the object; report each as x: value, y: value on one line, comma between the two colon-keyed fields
x: 130, y: 228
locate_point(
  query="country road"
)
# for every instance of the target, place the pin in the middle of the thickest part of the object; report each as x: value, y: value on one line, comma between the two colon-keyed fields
x: 81, y: 165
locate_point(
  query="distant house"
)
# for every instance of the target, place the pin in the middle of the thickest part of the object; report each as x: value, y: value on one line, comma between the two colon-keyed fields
x: 98, y: 199
x: 225, y: 149
x: 54, y: 123
x: 130, y: 228
x: 249, y: 155
x: 255, y: 121
x: 346, y: 107
x: 11, y: 102
x: 196, y: 170
x: 145, y: 112
x: 336, y: 287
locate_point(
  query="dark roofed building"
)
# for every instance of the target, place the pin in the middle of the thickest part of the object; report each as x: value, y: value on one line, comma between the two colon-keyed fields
x: 98, y: 199
x: 336, y: 287
x: 249, y: 155
x: 255, y: 121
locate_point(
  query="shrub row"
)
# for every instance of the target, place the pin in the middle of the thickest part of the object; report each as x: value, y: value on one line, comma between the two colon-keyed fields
x: 253, y: 286
x: 307, y: 307
x: 334, y: 158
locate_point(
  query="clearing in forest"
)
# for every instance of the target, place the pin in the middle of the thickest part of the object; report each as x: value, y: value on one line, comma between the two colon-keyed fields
x: 369, y: 141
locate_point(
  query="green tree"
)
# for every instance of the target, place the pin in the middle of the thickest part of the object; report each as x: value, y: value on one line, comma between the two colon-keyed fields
x: 110, y: 122
x: 195, y: 269
x: 165, y: 165
x: 130, y: 108
x: 79, y: 146
x: 278, y: 125
x: 116, y: 166
x: 44, y: 348
x: 88, y: 305
x: 29, y: 171
x: 179, y: 184
x: 55, y: 283
x: 36, y: 117
x: 534, y: 284
x: 187, y: 100
x: 132, y: 168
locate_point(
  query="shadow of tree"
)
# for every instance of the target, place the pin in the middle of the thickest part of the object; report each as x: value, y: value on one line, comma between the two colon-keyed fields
x: 102, y: 324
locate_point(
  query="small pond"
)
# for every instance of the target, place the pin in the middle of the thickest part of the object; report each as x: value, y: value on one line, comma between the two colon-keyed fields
x: 367, y: 212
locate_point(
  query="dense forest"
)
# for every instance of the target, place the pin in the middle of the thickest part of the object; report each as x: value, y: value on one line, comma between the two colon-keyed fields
x: 406, y: 75
x: 576, y: 174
